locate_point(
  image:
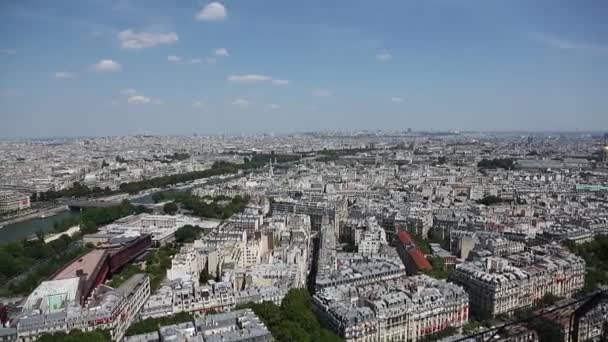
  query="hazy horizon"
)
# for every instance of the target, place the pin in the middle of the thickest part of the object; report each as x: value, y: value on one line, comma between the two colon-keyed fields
x: 125, y: 67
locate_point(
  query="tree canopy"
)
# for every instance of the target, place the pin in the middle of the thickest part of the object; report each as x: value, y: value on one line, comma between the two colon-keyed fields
x: 219, y: 207
x: 76, y: 336
x: 498, y: 163
x: 170, y: 208
x: 294, y: 320
x: 595, y: 254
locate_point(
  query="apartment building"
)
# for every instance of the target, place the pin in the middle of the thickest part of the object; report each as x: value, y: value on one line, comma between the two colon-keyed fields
x: 502, y: 285
x: 400, y: 309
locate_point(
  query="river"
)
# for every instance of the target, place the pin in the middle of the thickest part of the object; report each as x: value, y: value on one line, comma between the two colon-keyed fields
x: 24, y: 229
x: 30, y: 227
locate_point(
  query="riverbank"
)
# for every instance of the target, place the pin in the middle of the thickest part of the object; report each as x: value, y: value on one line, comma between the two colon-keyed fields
x: 70, y: 232
x: 27, y: 228
x: 35, y: 215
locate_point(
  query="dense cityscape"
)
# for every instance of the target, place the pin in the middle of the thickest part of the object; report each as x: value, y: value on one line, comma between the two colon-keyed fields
x: 328, y: 236
x: 303, y: 171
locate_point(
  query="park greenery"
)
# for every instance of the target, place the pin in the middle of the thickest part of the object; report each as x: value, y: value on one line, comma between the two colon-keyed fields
x: 156, y: 266
x: 439, y: 270
x: 152, y: 324
x: 449, y: 331
x: 490, y: 200
x: 293, y: 320
x: 76, y: 336
x: 170, y: 208
x: 219, y: 207
x: 595, y: 254
x: 41, y: 260
x: 218, y: 168
x: 498, y: 163
x: 188, y: 234
x: 170, y: 158
x: 76, y: 190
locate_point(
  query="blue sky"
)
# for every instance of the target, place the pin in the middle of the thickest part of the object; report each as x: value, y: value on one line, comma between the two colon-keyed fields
x: 100, y: 67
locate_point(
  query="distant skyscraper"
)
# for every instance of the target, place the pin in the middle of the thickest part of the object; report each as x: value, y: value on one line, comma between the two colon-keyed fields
x: 270, y: 171
x: 604, y: 150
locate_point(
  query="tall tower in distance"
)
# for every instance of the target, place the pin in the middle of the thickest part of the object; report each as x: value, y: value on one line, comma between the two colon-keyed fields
x: 270, y: 171
x: 604, y: 150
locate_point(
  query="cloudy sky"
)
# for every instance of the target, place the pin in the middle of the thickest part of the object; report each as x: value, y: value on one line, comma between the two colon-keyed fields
x: 101, y: 67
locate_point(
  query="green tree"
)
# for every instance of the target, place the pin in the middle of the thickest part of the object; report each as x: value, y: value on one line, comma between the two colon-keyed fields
x: 170, y: 208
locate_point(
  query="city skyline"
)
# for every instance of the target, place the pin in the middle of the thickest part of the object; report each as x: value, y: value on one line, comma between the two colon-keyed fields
x: 98, y: 68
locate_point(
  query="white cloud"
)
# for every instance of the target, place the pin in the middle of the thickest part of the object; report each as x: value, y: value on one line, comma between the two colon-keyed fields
x: 106, y: 65
x: 221, y: 52
x: 133, y: 97
x: 64, y: 75
x: 8, y: 51
x: 273, y: 106
x: 174, y: 59
x: 180, y: 60
x: 138, y: 99
x: 247, y: 79
x: 568, y: 44
x: 322, y: 92
x: 253, y: 79
x: 384, y: 56
x: 397, y: 99
x: 128, y: 92
x: 199, y: 105
x: 141, y: 40
x: 212, y: 12
x: 280, y: 82
x: 242, y: 103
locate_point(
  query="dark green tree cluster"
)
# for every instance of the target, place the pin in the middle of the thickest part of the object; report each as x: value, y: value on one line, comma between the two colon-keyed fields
x: 218, y: 168
x: 489, y: 200
x: 440, y: 270
x: 77, y: 190
x: 187, y: 233
x: 38, y: 258
x: 76, y: 336
x: 548, y: 331
x: 91, y: 218
x: 328, y: 158
x: 294, y: 320
x: 170, y: 158
x: 156, y: 267
x: 498, y: 163
x: 170, y: 208
x: 18, y: 257
x: 435, y: 236
x: 421, y: 243
x: 449, y: 331
x: 205, y: 206
x: 152, y: 324
x: 595, y: 254
x: 343, y: 152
